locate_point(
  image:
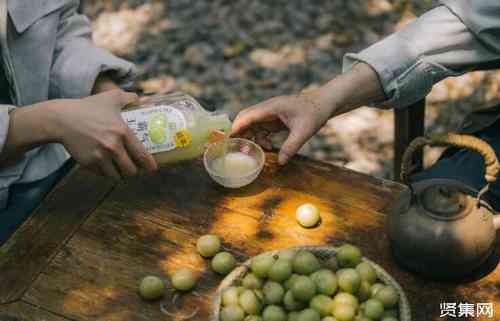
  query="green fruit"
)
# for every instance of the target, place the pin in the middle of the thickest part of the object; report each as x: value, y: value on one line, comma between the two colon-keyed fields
x: 208, y: 245
x: 361, y: 317
x: 151, y: 288
x: 223, y: 263
x: 367, y: 272
x: 344, y: 312
x: 253, y: 318
x: 251, y: 281
x: 291, y: 304
x: 249, y: 302
x: 328, y: 319
x: 364, y: 292
x: 305, y: 263
x: 388, y: 296
x: 348, y: 280
x: 307, y: 215
x: 389, y: 319
x: 326, y: 281
x: 309, y: 315
x: 274, y: 313
x: 232, y: 313
x: 346, y: 299
x: 287, y: 254
x: 390, y: 313
x: 273, y: 292
x: 288, y: 283
x: 322, y: 304
x: 293, y: 316
x: 375, y: 288
x: 373, y: 309
x: 261, y: 264
x: 157, y: 135
x: 183, y: 280
x: 158, y: 121
x: 348, y: 256
x: 280, y: 271
x: 230, y: 296
x: 303, y: 288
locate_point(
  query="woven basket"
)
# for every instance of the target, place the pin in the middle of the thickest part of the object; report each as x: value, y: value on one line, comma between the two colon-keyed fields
x: 324, y: 254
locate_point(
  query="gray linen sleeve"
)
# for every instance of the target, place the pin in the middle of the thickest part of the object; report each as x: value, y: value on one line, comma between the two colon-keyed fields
x: 409, y: 62
x: 4, y: 123
x: 78, y: 62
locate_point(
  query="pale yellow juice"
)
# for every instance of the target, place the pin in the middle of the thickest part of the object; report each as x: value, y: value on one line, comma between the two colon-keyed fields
x: 234, y: 164
x: 174, y: 127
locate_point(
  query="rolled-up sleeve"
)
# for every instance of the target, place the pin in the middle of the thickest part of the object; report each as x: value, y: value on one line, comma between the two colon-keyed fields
x: 4, y: 123
x: 437, y: 45
x: 78, y: 62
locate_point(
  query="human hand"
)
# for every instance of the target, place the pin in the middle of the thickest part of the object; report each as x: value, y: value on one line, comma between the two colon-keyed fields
x: 94, y: 133
x: 301, y: 115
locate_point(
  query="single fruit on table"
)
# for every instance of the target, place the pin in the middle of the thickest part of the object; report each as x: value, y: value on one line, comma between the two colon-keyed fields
x: 375, y: 288
x: 274, y: 313
x: 346, y: 299
x: 348, y: 256
x: 309, y: 315
x: 288, y: 254
x: 183, y: 280
x: 390, y: 313
x: 303, y: 288
x: 232, y: 313
x: 273, y: 292
x: 291, y: 304
x: 326, y: 281
x: 367, y: 272
x: 230, y: 296
x: 373, y: 309
x: 344, y: 312
x: 253, y: 318
x: 349, y: 280
x: 388, y: 296
x: 293, y: 316
x: 280, y: 271
x: 251, y: 281
x: 305, y: 263
x: 249, y: 302
x: 307, y: 215
x: 223, y: 263
x: 151, y: 287
x: 322, y: 304
x: 288, y: 283
x: 208, y: 245
x: 364, y: 292
x: 262, y: 264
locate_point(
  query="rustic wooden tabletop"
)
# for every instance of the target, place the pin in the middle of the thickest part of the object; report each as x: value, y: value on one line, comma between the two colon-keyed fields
x: 82, y: 253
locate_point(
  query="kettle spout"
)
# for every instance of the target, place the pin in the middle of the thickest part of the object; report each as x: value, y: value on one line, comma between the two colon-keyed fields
x: 496, y: 221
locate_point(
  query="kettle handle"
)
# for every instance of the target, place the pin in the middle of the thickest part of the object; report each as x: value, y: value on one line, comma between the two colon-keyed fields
x: 463, y: 141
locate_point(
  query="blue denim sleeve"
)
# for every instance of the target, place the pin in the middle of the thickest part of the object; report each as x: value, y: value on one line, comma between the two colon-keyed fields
x: 409, y: 62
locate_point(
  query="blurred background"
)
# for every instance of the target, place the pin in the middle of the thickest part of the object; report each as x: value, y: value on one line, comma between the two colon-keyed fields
x: 233, y: 53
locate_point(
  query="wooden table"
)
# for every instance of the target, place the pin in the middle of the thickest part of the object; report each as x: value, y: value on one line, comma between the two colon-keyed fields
x: 81, y: 255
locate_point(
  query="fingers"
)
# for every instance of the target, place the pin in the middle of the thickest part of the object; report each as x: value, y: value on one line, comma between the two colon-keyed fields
x: 258, y: 113
x: 292, y: 144
x: 109, y: 169
x: 125, y: 164
x: 116, y: 98
x: 138, y: 153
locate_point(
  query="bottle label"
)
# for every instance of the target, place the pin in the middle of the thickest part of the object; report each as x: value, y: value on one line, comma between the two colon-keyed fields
x: 159, y: 128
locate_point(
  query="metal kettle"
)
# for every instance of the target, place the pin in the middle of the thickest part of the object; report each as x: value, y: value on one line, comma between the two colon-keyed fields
x: 442, y: 228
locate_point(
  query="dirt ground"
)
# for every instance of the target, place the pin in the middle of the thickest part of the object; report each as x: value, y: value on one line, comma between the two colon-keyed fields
x: 233, y: 53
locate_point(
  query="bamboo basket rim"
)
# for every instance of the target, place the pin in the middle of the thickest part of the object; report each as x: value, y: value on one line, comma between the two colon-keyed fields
x: 323, y: 253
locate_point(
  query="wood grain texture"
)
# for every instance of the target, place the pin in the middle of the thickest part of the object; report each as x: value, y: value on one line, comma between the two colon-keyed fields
x: 30, y: 249
x: 22, y: 311
x: 150, y: 225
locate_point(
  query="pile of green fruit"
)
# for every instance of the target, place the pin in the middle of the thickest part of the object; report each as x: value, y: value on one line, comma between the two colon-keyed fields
x: 295, y: 286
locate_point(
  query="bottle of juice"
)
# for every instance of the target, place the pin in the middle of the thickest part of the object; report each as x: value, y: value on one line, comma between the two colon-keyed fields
x: 174, y: 127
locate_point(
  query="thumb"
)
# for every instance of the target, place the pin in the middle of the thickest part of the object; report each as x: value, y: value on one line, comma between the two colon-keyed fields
x: 125, y: 98
x: 291, y: 146
x: 116, y: 98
